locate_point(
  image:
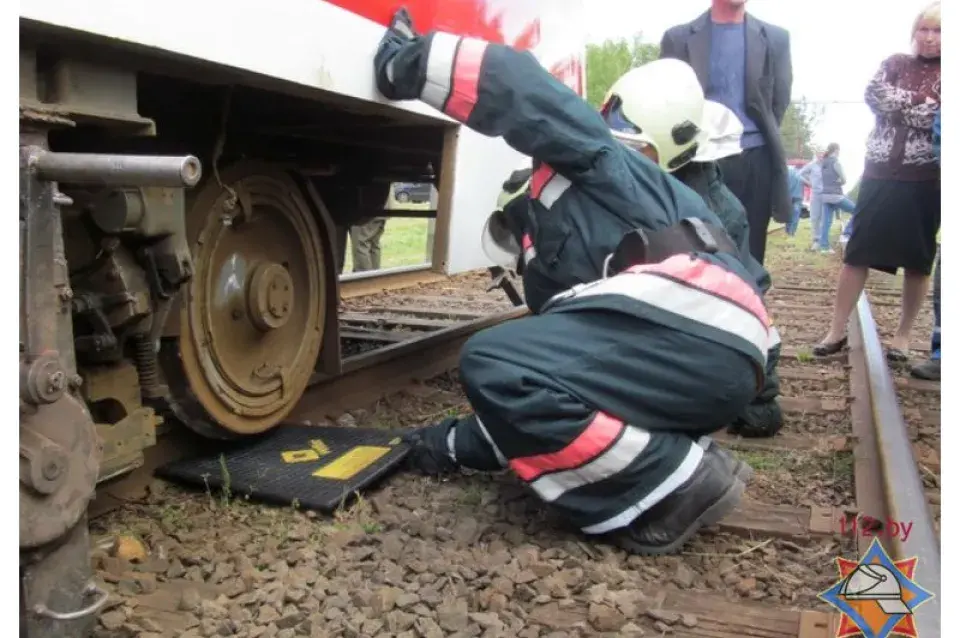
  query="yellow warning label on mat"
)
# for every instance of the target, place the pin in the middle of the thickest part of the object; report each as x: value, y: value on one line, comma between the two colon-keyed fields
x: 299, y: 456
x: 351, y: 463
x: 317, y: 449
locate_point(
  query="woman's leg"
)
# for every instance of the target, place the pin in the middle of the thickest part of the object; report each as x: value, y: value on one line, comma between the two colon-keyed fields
x: 914, y: 290
x: 849, y: 286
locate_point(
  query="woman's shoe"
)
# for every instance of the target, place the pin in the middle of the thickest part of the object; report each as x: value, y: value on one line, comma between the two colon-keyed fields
x: 827, y: 349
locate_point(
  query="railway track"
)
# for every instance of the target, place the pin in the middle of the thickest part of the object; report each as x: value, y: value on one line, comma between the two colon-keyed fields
x: 475, y: 555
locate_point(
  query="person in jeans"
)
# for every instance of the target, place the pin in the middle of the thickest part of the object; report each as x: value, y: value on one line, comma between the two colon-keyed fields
x: 832, y: 197
x: 930, y: 369
x: 796, y: 198
x: 812, y: 176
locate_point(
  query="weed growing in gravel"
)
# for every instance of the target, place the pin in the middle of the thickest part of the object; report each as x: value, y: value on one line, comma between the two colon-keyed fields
x: 471, y: 496
x: 763, y: 461
x: 842, y: 464
x: 804, y: 355
x: 173, y: 517
x: 360, y: 515
x: 225, y: 481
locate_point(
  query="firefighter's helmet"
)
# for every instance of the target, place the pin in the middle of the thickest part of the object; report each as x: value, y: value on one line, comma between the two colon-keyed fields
x: 497, y: 240
x: 661, y: 104
x: 724, y: 131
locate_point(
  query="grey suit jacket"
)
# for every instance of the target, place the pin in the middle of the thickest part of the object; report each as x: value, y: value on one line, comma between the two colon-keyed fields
x: 769, y: 84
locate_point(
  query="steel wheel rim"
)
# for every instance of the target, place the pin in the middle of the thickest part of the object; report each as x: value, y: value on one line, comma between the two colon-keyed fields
x: 249, y: 347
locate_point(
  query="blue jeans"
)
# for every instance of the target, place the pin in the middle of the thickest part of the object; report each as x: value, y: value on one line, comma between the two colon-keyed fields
x: 935, y: 340
x: 847, y: 228
x: 794, y: 219
x: 826, y: 220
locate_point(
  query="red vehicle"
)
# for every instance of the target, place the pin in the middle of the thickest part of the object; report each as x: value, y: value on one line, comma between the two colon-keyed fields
x: 186, y: 172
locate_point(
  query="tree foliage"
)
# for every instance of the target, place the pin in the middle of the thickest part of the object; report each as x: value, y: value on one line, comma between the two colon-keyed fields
x: 796, y: 130
x: 608, y: 61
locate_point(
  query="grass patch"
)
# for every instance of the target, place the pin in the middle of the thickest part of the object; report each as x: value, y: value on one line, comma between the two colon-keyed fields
x: 784, y: 251
x: 403, y: 243
x: 763, y: 461
x: 835, y: 465
x: 785, y: 255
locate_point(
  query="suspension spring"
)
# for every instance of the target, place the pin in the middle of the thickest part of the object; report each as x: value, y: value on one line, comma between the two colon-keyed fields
x: 148, y: 368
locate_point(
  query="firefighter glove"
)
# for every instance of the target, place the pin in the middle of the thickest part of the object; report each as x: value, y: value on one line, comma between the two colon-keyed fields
x: 395, y: 55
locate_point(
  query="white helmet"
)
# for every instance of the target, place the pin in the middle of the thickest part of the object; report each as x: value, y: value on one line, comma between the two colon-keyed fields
x: 724, y: 130
x: 661, y: 105
x: 496, y: 240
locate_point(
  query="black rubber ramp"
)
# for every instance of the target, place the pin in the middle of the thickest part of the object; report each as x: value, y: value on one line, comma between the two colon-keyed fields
x: 318, y: 468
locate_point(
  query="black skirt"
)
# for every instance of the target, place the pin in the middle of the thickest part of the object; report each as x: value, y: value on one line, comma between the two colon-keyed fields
x: 895, y: 226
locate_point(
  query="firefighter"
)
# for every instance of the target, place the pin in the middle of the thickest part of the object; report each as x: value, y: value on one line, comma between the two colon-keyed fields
x: 763, y: 417
x: 648, y: 332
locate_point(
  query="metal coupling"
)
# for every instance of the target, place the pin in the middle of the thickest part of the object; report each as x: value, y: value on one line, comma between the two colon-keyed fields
x: 116, y: 170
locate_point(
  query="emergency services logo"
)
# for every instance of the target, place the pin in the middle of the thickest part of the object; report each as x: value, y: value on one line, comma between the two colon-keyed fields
x: 876, y: 597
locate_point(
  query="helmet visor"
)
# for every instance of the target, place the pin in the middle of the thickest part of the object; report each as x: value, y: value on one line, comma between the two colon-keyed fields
x: 621, y: 127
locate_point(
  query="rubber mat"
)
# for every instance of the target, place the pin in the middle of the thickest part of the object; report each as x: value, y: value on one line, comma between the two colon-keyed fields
x: 319, y: 468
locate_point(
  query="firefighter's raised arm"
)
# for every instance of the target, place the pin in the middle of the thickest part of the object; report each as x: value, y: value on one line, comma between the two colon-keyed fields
x: 494, y: 90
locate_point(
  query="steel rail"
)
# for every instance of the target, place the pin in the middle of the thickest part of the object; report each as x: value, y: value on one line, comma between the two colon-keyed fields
x: 901, y: 481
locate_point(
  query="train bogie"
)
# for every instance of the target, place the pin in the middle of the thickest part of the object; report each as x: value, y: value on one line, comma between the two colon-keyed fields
x: 187, y: 182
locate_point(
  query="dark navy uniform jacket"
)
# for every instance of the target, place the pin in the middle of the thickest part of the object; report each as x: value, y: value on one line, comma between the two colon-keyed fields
x: 587, y: 191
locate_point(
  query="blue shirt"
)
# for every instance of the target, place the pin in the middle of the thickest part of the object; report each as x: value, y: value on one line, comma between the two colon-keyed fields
x: 796, y: 186
x: 727, y: 84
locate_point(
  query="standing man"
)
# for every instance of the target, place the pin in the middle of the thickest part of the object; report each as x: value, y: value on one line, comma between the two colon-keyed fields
x: 812, y: 176
x: 796, y: 199
x: 744, y: 63
x: 365, y: 238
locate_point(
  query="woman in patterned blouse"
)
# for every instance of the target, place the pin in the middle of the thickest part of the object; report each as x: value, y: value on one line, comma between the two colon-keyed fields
x: 898, y: 209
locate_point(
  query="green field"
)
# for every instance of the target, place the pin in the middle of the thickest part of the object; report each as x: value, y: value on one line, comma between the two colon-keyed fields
x: 404, y: 243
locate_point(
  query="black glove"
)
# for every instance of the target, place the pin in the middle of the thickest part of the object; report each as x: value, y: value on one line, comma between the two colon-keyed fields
x: 398, y: 34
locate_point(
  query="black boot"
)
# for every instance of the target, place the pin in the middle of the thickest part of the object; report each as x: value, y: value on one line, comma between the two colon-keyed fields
x: 759, y: 420
x: 929, y: 370
x: 429, y: 452
x: 707, y: 497
x: 734, y: 465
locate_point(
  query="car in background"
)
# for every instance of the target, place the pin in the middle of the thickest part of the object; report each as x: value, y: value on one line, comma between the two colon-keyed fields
x: 412, y: 193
